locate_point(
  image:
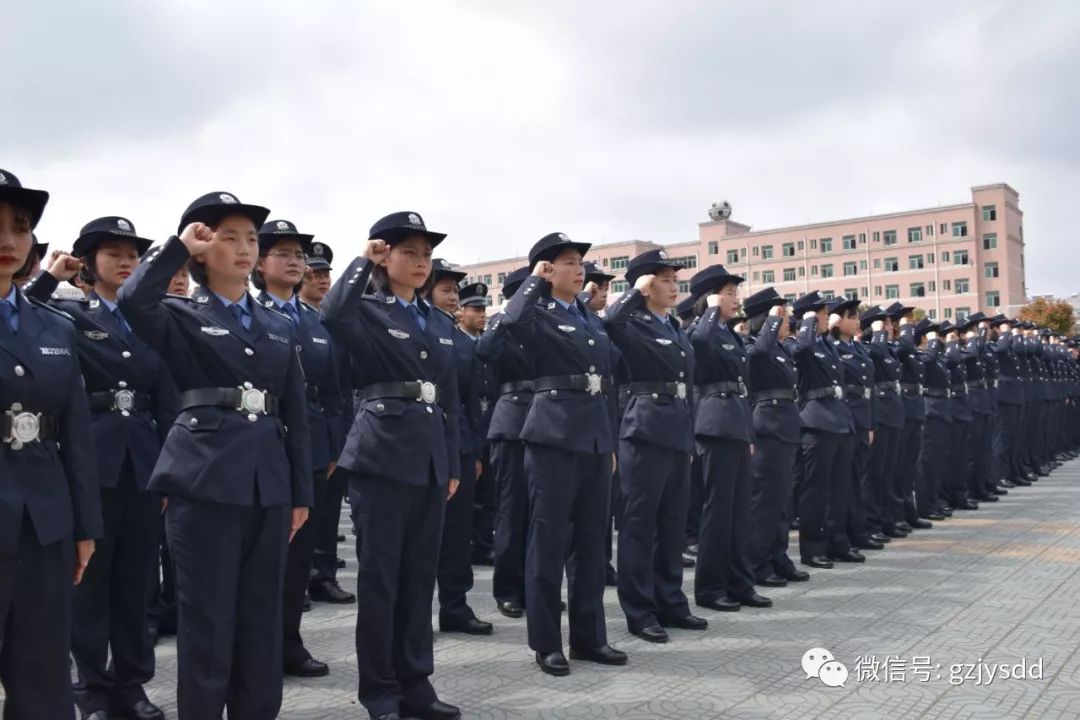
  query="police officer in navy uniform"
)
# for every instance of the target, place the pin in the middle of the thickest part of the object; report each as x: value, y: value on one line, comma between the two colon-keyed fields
x: 686, y: 315
x: 279, y: 272
x: 980, y: 393
x: 569, y: 448
x: 50, y: 507
x: 937, y: 394
x: 655, y: 445
x: 402, y: 458
x: 236, y: 464
x: 959, y: 459
x: 133, y: 404
x: 723, y: 429
x: 1010, y: 403
x: 773, y: 395
x: 827, y: 438
x: 911, y: 387
x: 455, y: 575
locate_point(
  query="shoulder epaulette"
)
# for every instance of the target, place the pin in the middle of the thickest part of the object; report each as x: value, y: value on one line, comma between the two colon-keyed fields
x: 179, y: 297
x: 50, y: 308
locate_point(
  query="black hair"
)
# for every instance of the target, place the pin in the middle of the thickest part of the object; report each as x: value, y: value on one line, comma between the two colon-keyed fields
x: 757, y: 322
x: 23, y: 221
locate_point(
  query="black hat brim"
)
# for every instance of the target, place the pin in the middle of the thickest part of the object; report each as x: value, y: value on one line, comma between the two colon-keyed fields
x: 32, y: 201
x: 457, y: 275
x: 213, y: 214
x: 393, y: 236
x: 549, y: 254
x: 649, y: 269
x: 715, y: 284
x: 474, y: 302
x: 85, y: 244
x: 865, y: 322
x: 598, y: 277
x: 904, y: 310
x: 319, y: 264
x: 844, y: 307
x: 763, y: 307
x: 268, y: 240
x: 42, y: 250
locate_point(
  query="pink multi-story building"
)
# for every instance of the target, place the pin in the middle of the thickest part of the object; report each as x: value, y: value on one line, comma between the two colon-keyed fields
x: 950, y: 261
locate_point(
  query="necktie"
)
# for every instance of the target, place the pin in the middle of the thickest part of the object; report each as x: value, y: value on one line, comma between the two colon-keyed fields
x: 418, y: 316
x: 121, y: 320
x: 7, y: 314
x: 241, y: 316
x: 290, y: 310
x: 576, y: 314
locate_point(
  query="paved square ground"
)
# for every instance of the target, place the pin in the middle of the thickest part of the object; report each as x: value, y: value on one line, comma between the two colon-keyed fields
x: 997, y: 585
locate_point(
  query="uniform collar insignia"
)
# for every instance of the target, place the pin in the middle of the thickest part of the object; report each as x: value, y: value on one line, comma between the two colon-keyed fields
x: 399, y: 334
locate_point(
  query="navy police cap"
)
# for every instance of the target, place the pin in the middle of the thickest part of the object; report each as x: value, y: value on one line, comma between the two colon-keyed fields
x: 320, y: 256
x: 442, y: 269
x: 711, y: 279
x: 112, y: 227
x: 593, y: 273
x: 810, y: 302
x: 473, y: 295
x: 649, y: 262
x: 275, y: 230
x: 552, y: 245
x: 214, y: 207
x: 513, y: 281
x: 32, y: 201
x: 762, y: 301
x: 840, y: 305
x: 398, y: 226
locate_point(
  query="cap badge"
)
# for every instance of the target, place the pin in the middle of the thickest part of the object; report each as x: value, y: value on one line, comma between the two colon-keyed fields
x: 415, y: 219
x: 3, y: 179
x: 282, y: 225
x: 663, y: 255
x: 317, y: 249
x: 123, y: 225
x: 563, y: 238
x: 227, y: 199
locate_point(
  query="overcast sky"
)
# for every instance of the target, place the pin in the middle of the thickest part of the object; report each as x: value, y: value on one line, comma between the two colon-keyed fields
x: 501, y: 121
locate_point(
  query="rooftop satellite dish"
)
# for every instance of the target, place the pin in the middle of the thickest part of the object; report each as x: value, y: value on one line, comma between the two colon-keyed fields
x: 720, y: 210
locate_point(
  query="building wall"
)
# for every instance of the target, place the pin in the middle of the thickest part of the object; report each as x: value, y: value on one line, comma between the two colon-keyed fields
x: 948, y: 260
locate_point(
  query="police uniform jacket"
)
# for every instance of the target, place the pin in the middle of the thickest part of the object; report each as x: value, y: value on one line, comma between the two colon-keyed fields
x: 511, y: 365
x: 991, y: 369
x: 661, y: 355
x: 821, y: 373
x: 772, y: 370
x: 1010, y: 373
x: 889, y: 405
x: 720, y: 357
x: 912, y: 374
x: 223, y: 454
x: 979, y: 398
x: 113, y: 361
x: 956, y: 360
x: 54, y: 480
x: 937, y: 381
x: 574, y: 420
x: 470, y: 427
x: 858, y: 382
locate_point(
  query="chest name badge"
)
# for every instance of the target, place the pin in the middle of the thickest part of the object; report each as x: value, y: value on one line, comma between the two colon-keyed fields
x: 321, y: 341
x: 214, y: 331
x: 446, y: 341
x: 399, y: 334
x: 278, y: 338
x: 95, y: 334
x: 55, y: 351
x: 663, y: 341
x: 567, y: 328
x: 727, y: 347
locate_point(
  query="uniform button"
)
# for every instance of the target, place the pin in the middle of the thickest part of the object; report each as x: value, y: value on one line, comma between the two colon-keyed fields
x: 514, y: 398
x: 126, y: 354
x: 423, y: 354
x: 121, y: 384
x: 591, y: 341
x: 253, y: 417
x: 430, y: 411
x: 249, y: 352
x: 248, y: 386
x: 592, y: 368
x: 380, y: 407
x: 554, y: 393
x: 19, y: 371
x: 682, y: 374
x: 193, y: 422
x: 655, y: 396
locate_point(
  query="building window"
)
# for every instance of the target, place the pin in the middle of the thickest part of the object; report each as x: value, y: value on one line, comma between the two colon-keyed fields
x: 929, y: 231
x: 989, y: 213
x: 604, y: 261
x: 991, y: 269
x: 989, y: 241
x: 768, y: 276
x: 930, y: 258
x: 944, y: 228
x: 802, y: 271
x: 826, y: 245
x: 501, y: 278
x: 757, y: 250
x: 890, y: 237
x: 877, y: 291
x: 766, y: 252
x: 827, y: 294
x: 945, y: 256
x: 757, y: 276
x: 915, y: 262
x: 862, y: 238
x: 862, y: 265
x: 791, y: 297
x: 866, y: 292
x: 946, y: 285
x: 962, y: 286
x: 733, y: 257
x: 487, y: 300
x: 487, y: 279
x: 918, y: 290
x: 742, y: 252
x: 620, y: 263
x: 684, y: 286
x: 618, y: 286
x: 993, y: 298
x: 826, y: 271
x: 813, y: 271
x: 802, y: 244
x: 714, y: 248
x: 877, y: 263
x: 789, y: 274
x: 850, y: 268
x: 914, y: 235
x: 849, y: 242
x: 851, y: 294
x: 813, y: 244
x: 948, y: 313
x: 962, y: 312
x: 788, y: 249
x: 687, y: 261
x: 960, y: 257
x: 959, y: 229
x: 892, y: 292
x: 892, y: 265
x: 877, y: 236
x: 931, y: 286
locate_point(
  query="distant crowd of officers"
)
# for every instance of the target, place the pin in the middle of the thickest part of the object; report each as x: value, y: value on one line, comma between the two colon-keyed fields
x: 174, y: 459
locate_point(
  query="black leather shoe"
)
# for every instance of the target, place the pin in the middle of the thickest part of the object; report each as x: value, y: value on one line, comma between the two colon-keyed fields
x: 611, y: 578
x: 1021, y: 482
x: 968, y: 505
x: 987, y: 498
x: 692, y: 549
x: 754, y: 600
x: 870, y: 544
x: 818, y: 561
x: 851, y: 556
x: 723, y: 604
x: 604, y: 655
x: 328, y: 591
x: 945, y: 510
x: 686, y: 622
x: 933, y: 516
x: 511, y: 608
x: 998, y: 490
x: 308, y: 668
x: 772, y: 581
x: 340, y: 563
x: 921, y: 524
x: 472, y: 626
x: 437, y: 710
x: 553, y: 664
x: 141, y: 710
x: 881, y: 538
x: 796, y: 575
x: 903, y: 526
x: 894, y: 532
x: 653, y: 634
x: 1031, y: 477
x: 340, y: 537
x: 1006, y: 484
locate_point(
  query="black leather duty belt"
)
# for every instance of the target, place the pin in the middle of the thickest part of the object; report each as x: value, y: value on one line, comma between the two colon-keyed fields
x: 856, y: 392
x: 945, y: 393
x: 247, y: 399
x: 724, y: 388
x: 669, y: 389
x: 835, y: 391
x: 888, y: 387
x: 122, y: 401
x: 778, y: 394
x: 591, y: 383
x: 21, y: 426
x: 518, y: 386
x: 912, y: 390
x: 418, y: 390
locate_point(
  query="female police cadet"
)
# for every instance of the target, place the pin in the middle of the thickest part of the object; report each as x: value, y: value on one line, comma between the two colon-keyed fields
x: 455, y: 576
x: 656, y: 440
x: 771, y: 373
x: 569, y: 449
x: 279, y: 272
x: 236, y: 464
x: 402, y: 458
x: 50, y: 507
x: 723, y: 427
x: 133, y: 403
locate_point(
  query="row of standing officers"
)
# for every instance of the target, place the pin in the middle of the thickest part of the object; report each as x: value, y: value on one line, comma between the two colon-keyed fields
x: 231, y: 424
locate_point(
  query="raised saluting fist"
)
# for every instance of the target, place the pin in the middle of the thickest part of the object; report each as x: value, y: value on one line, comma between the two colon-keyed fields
x: 878, y: 325
x: 376, y: 251
x: 713, y: 300
x: 834, y: 320
x: 777, y: 311
x: 644, y: 284
x: 197, y: 238
x: 544, y: 269
x: 64, y: 266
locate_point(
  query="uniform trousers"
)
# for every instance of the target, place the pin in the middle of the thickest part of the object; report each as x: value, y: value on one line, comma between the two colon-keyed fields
x: 511, y: 520
x: 655, y: 492
x: 979, y: 481
x: 934, y: 465
x: 328, y: 519
x: 569, y: 494
x: 725, y: 544
x: 959, y: 465
x: 771, y: 468
x: 230, y: 570
x: 858, y: 531
x: 823, y: 497
x: 878, y: 500
x: 455, y: 575
x: 298, y: 564
x: 485, y: 506
x: 908, y: 469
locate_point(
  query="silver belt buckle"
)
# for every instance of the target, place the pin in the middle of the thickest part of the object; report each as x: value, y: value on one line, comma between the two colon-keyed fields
x: 253, y: 401
x: 680, y: 390
x: 596, y: 383
x: 25, y: 428
x: 838, y: 392
x: 428, y: 393
x: 124, y: 400
x: 867, y: 393
x: 898, y: 391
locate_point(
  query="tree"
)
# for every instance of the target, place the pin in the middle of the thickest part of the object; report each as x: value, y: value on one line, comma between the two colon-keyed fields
x: 1056, y: 315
